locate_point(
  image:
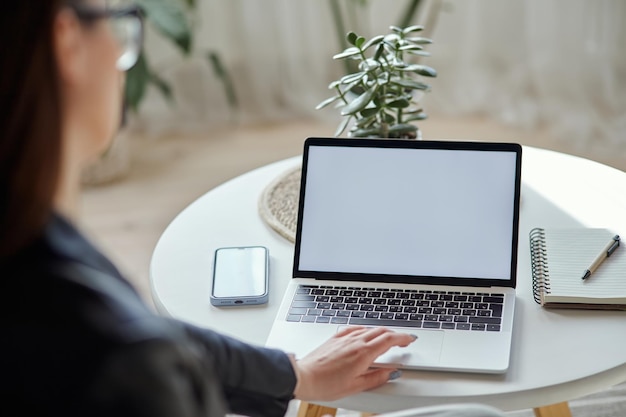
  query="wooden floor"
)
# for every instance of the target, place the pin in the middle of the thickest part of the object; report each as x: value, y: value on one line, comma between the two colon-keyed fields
x: 126, y: 218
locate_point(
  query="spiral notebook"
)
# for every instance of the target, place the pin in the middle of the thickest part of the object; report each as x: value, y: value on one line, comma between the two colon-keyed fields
x: 559, y: 258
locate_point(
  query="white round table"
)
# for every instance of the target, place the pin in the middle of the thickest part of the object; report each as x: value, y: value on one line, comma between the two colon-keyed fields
x: 557, y: 355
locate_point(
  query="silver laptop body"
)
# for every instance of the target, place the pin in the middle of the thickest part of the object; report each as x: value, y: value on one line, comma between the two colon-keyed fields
x: 419, y: 236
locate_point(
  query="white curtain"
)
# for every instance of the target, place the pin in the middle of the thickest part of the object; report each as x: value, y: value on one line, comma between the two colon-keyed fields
x: 555, y: 63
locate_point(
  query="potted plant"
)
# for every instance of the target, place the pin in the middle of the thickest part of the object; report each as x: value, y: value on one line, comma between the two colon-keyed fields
x: 382, y: 96
x: 170, y: 19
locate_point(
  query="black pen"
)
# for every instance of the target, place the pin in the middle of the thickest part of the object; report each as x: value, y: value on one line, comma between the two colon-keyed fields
x: 606, y: 252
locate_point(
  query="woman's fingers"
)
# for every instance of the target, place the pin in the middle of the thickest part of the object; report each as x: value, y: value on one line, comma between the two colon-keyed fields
x: 388, y: 339
x: 374, y: 378
x: 342, y: 365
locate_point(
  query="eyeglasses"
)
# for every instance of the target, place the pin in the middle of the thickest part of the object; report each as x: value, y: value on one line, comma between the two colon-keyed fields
x: 127, y: 27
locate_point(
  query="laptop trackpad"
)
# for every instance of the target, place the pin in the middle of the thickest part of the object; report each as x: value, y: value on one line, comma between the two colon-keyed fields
x: 425, y: 351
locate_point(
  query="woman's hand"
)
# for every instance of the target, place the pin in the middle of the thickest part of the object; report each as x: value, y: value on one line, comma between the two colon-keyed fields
x: 341, y: 366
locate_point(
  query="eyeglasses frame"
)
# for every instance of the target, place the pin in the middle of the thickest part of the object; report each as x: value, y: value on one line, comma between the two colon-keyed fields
x: 90, y: 15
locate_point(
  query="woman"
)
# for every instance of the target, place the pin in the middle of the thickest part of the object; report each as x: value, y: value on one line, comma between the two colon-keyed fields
x: 76, y: 338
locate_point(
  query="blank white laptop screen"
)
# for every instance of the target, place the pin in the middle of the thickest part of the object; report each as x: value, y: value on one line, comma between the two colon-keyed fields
x: 427, y: 212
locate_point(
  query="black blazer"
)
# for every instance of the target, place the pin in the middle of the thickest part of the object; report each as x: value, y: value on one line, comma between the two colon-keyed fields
x: 77, y: 340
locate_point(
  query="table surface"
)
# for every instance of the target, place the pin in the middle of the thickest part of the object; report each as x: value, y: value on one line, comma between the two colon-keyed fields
x: 557, y: 355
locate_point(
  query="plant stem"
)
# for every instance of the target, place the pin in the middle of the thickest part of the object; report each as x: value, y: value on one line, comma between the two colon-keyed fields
x: 341, y: 94
x: 409, y: 13
x: 222, y: 74
x: 384, y: 128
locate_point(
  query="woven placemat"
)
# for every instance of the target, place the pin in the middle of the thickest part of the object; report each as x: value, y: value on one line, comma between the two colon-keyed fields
x: 278, y: 204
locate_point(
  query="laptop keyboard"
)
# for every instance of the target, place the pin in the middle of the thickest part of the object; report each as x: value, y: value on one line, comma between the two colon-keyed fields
x: 453, y: 310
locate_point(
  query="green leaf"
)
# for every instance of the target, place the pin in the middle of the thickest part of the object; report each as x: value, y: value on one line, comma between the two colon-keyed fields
x: 412, y: 84
x: 355, y: 88
x: 419, y: 53
x: 365, y: 122
x: 383, y: 79
x: 136, y: 82
x: 342, y: 126
x: 334, y: 84
x: 351, y: 37
x: 398, y: 64
x: 359, y: 42
x: 420, y: 69
x: 410, y: 48
x: 359, y: 103
x: 388, y: 118
x: 352, y: 51
x: 327, y: 102
x: 369, y: 111
x: 350, y: 78
x: 413, y: 111
x: 369, y: 65
x: 399, y: 104
x: 395, y: 29
x: 420, y: 40
x: 392, y: 40
x: 379, y: 51
x: 403, y: 128
x: 169, y: 18
x: 414, y: 28
x: 374, y: 41
x: 419, y: 116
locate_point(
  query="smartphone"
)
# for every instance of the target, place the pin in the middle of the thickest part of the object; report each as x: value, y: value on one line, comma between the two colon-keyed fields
x: 240, y: 276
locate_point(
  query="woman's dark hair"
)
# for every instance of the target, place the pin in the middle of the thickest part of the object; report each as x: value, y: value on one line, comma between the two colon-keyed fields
x: 30, y: 121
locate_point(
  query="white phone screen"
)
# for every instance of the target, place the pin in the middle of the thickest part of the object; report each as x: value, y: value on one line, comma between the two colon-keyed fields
x: 240, y: 272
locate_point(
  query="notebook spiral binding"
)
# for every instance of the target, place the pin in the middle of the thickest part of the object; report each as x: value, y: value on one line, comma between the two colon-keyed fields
x: 539, y: 264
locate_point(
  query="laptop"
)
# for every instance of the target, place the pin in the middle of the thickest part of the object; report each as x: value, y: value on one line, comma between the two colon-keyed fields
x: 418, y: 236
